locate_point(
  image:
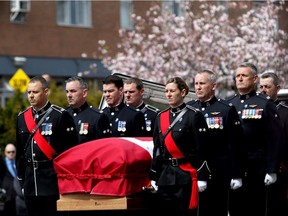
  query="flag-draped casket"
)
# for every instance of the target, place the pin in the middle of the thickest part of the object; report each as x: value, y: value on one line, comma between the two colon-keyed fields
x: 109, y: 166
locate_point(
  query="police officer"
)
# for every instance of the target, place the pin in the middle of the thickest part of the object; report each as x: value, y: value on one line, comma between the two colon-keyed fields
x: 179, y: 154
x: 90, y: 123
x: 36, y: 147
x: 263, y: 139
x: 225, y: 151
x: 134, y: 92
x: 125, y: 121
x: 278, y: 196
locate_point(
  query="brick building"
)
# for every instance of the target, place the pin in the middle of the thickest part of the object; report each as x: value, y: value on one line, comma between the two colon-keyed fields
x: 61, y: 37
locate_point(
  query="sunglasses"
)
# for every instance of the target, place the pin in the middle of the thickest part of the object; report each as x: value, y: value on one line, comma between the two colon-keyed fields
x: 10, y: 152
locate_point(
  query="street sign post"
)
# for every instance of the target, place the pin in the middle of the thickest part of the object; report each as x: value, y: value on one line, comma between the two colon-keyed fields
x: 19, y: 81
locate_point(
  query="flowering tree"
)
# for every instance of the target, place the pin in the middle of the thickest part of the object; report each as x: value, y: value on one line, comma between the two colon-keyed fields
x: 163, y: 45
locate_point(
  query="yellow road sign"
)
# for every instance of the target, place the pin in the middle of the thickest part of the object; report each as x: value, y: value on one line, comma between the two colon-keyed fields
x: 19, y: 80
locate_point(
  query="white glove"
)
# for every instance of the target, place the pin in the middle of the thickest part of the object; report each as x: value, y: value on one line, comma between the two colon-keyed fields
x: 202, y: 185
x: 270, y: 178
x: 235, y: 183
x: 153, y: 184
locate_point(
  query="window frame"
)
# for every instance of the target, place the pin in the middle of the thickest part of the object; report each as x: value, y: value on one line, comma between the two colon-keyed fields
x: 76, y: 13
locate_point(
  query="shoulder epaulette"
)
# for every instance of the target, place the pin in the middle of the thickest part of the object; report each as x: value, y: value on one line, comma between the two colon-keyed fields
x: 224, y: 102
x: 262, y: 96
x: 192, y: 108
x: 24, y: 110
x: 57, y: 108
x: 95, y: 110
x: 231, y: 97
x: 133, y: 108
x: 164, y: 110
x: 152, y: 108
x: 283, y: 104
x: 191, y: 102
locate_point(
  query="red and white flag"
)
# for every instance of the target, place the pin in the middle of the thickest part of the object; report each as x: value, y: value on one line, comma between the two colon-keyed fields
x: 116, y: 166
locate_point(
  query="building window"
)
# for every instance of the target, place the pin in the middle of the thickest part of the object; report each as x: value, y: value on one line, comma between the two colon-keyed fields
x: 174, y: 6
x: 126, y: 10
x: 74, y: 13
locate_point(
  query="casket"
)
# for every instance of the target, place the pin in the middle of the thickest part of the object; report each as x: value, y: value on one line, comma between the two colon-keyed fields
x: 109, y: 166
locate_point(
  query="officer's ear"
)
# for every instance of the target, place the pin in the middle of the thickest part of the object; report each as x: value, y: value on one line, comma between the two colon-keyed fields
x: 121, y: 90
x: 142, y: 91
x: 47, y: 91
x: 85, y: 92
x: 255, y: 79
x: 214, y: 86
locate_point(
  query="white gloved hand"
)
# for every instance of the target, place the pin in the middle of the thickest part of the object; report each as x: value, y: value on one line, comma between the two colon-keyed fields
x: 152, y: 187
x: 235, y: 183
x: 270, y: 178
x: 153, y: 184
x: 202, y: 185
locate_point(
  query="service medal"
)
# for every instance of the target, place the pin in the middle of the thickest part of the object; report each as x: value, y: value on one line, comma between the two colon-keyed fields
x: 85, y: 128
x: 148, y: 125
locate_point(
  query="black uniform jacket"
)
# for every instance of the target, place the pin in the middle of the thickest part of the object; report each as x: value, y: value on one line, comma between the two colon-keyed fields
x: 150, y: 113
x: 189, y: 134
x: 90, y: 123
x: 38, y: 174
x: 125, y: 121
x: 263, y: 134
x: 226, y: 150
x: 6, y: 180
x: 283, y: 112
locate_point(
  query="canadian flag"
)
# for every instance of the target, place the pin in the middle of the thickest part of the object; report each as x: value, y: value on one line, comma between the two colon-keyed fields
x: 110, y: 166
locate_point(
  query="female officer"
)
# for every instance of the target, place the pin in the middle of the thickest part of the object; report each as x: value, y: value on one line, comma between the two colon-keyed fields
x: 179, y: 158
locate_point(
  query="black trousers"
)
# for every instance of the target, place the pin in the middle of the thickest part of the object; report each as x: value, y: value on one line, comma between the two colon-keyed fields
x: 277, y: 196
x: 41, y: 205
x: 251, y: 199
x: 174, y: 200
x: 10, y: 208
x: 214, y: 200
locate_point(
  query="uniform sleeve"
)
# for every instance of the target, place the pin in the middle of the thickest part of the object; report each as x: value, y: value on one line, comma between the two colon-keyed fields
x: 201, y: 140
x: 21, y: 142
x: 274, y: 137
x: 66, y: 133
x: 18, y: 141
x: 236, y: 143
x: 284, y: 120
x: 156, y: 161
x: 139, y: 125
x: 103, y: 129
